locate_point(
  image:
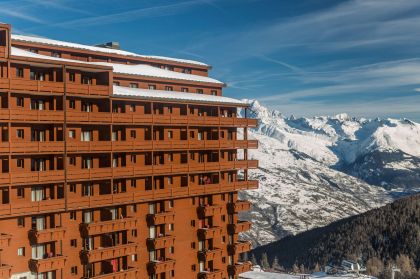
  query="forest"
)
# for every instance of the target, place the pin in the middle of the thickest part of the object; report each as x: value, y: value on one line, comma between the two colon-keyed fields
x: 378, y: 239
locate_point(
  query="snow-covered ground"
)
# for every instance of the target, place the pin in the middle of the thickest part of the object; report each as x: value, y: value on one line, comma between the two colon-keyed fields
x: 314, y: 171
x: 318, y: 275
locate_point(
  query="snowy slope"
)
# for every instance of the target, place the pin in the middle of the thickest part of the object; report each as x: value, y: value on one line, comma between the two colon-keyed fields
x: 315, y: 171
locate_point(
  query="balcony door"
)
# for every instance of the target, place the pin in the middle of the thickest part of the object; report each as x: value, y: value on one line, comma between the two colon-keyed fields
x: 37, y: 194
x: 38, y: 223
x: 38, y: 251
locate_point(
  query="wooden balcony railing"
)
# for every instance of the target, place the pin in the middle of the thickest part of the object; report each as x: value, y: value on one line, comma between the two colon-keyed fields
x: 48, y: 176
x: 239, y: 247
x: 87, y: 89
x: 160, y: 218
x: 88, y: 146
x: 48, y: 264
x: 213, y: 274
x: 26, y: 147
x: 209, y: 210
x: 47, y: 235
x: 239, y: 268
x: 208, y: 233
x: 238, y: 206
x: 109, y: 226
x: 241, y: 226
x: 106, y: 253
x: 161, y: 242
x: 82, y: 117
x: 2, y: 51
x: 210, y: 255
x: 53, y: 116
x: 157, y: 267
x: 5, y: 271
x: 5, y: 240
x: 20, y: 207
x: 130, y: 273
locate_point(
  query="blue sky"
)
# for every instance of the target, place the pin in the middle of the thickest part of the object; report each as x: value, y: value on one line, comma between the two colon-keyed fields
x: 306, y: 57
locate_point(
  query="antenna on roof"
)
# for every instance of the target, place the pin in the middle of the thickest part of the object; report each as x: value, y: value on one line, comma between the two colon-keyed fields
x: 113, y: 45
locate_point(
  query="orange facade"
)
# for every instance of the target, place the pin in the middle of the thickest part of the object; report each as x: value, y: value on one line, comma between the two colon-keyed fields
x: 99, y: 185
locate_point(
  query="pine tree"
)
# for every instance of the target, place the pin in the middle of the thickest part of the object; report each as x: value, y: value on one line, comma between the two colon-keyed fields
x: 275, y: 265
x: 264, y: 261
x: 254, y: 260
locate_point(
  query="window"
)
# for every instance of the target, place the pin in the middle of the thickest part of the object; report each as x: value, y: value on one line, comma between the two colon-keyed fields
x: 20, y: 192
x: 192, y: 223
x: 37, y: 194
x: 133, y: 134
x: 86, y: 107
x: 186, y: 71
x: 20, y: 163
x: 134, y: 208
x: 72, y: 161
x: 19, y: 72
x: 184, y: 89
x: 72, y: 104
x: 72, y: 134
x: 134, y: 257
x: 152, y: 87
x: 37, y: 75
x: 37, y: 105
x: 168, y: 67
x: 20, y: 133
x: 87, y: 190
x: 170, y: 157
x: 116, y: 83
x: 172, y: 249
x: 56, y: 54
x: 21, y: 221
x: 134, y: 233
x: 170, y: 110
x: 171, y: 227
x: 73, y: 188
x: 21, y: 251
x: 170, y: 134
x: 86, y: 135
x: 214, y: 92
x: 87, y: 163
x: 192, y: 245
x: 86, y: 80
x: 199, y: 91
x: 169, y: 88
x: 193, y: 268
x: 73, y: 270
x: 33, y: 50
x: 72, y: 77
x: 19, y: 102
x: 170, y: 180
x: 134, y: 85
x: 72, y: 215
x: 133, y: 159
x: 132, y: 108
x: 133, y: 183
x: 73, y: 242
x: 171, y: 203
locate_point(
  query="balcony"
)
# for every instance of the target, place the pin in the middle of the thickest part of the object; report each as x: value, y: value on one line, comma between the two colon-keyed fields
x: 48, y: 176
x: 242, y: 185
x: 239, y: 247
x: 5, y: 271
x: 214, y: 274
x: 160, y: 242
x: 129, y: 273
x: 87, y: 174
x: 160, y: 218
x: 241, y: 226
x: 36, y: 86
x: 33, y: 115
x: 210, y: 255
x: 208, y: 233
x: 109, y: 226
x: 47, y: 235
x: 239, y: 268
x: 5, y: 240
x: 209, y: 210
x: 88, y: 89
x: 82, y: 116
x: 48, y: 264
x: 107, y: 253
x: 27, y: 147
x: 238, y: 206
x: 157, y: 267
x: 88, y: 146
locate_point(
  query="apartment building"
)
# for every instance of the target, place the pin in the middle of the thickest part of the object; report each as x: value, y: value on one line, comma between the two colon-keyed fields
x: 118, y: 165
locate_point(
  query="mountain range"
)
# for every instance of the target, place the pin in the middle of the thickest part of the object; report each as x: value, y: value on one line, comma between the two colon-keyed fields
x: 314, y: 171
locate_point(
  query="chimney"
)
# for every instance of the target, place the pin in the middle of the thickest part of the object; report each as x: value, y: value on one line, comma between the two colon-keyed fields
x: 113, y: 45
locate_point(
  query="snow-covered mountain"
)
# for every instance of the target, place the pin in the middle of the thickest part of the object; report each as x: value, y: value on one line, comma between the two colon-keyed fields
x: 318, y: 170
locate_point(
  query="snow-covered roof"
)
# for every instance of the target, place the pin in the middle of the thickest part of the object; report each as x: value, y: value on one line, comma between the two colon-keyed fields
x: 150, y: 71
x: 173, y: 95
x: 46, y: 41
x: 24, y: 53
x: 318, y: 275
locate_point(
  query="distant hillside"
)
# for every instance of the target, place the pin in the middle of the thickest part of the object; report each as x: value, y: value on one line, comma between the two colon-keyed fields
x: 383, y: 233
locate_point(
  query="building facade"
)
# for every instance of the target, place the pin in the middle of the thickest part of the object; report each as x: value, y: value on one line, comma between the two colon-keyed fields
x: 118, y: 165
